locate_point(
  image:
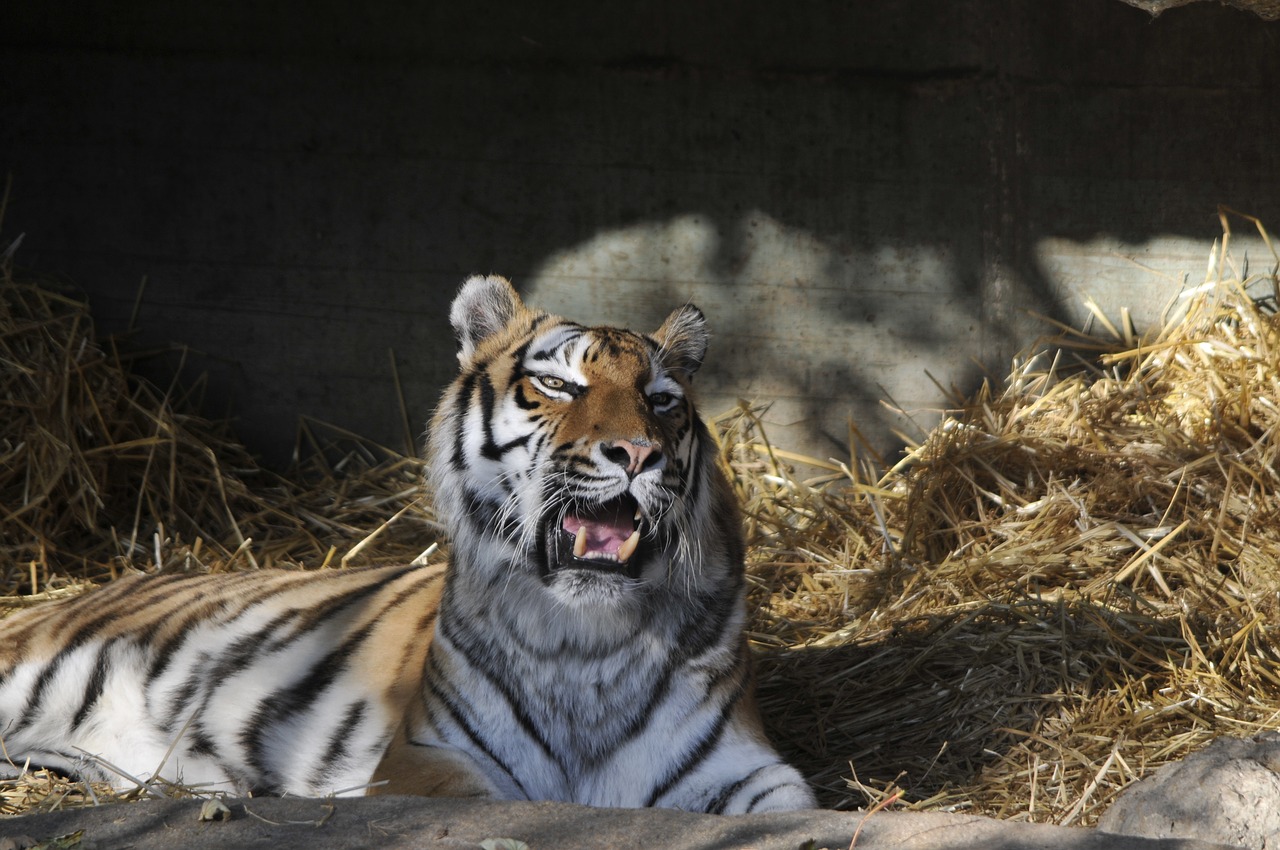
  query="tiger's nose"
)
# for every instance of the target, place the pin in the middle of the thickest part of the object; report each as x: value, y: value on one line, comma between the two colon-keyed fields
x: 634, y: 456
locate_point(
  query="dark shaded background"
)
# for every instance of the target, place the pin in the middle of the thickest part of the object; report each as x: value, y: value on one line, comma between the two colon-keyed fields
x: 303, y: 185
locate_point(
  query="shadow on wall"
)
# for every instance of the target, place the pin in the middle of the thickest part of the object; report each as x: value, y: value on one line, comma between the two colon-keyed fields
x: 822, y: 333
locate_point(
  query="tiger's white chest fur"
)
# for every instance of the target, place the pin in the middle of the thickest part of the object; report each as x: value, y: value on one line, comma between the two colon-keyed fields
x: 552, y: 713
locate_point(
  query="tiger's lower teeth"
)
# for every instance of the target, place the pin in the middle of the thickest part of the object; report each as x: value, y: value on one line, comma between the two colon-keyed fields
x: 624, y: 553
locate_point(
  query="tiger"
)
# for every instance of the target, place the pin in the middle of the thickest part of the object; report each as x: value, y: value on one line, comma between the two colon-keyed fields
x: 584, y: 643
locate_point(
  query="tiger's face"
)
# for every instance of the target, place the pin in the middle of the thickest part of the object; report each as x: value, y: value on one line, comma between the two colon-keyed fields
x: 566, y: 454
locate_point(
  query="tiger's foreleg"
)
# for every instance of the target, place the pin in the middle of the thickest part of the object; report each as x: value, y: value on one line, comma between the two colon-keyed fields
x: 429, y: 770
x: 743, y: 775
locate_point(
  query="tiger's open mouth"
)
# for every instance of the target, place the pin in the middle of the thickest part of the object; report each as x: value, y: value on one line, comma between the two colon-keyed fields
x: 606, y: 536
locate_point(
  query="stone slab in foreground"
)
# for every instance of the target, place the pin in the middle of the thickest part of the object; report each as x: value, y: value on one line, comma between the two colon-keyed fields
x: 1229, y: 791
x: 388, y: 823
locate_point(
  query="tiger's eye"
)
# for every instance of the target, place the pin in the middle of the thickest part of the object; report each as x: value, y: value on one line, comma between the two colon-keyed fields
x: 551, y: 382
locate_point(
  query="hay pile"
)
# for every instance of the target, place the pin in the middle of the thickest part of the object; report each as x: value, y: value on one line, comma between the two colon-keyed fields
x: 1073, y: 580
x: 101, y: 472
x: 1070, y: 582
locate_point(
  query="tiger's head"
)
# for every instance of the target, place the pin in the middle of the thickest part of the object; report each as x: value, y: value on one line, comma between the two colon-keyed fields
x: 570, y: 460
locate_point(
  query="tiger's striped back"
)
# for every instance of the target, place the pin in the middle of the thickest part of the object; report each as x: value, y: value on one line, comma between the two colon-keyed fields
x: 266, y: 681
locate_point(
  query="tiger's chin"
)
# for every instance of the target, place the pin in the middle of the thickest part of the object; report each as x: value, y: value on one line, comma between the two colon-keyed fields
x: 582, y: 588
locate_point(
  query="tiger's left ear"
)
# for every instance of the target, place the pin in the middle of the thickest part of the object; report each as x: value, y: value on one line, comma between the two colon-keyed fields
x: 482, y: 307
x: 683, y: 338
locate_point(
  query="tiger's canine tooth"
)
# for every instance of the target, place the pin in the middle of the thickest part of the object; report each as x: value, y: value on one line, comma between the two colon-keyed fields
x: 580, y: 543
x: 628, y: 547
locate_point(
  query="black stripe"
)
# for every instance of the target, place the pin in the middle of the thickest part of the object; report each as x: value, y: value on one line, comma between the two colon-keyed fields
x: 455, y: 712
x: 259, y: 643
x: 564, y: 343
x: 487, y: 398
x: 425, y: 628
x: 186, y: 693
x: 377, y: 578
x: 462, y: 401
x: 158, y: 589
x: 756, y: 800
x: 337, y: 749
x: 28, y: 712
x: 491, y: 450
x: 448, y: 629
x: 482, y: 515
x: 78, y: 638
x: 163, y: 655
x: 97, y: 679
x: 141, y: 593
x: 699, y: 753
x: 718, y: 804
x: 199, y: 609
x: 301, y: 695
x: 234, y: 659
x: 694, y: 482
x: 517, y: 355
x: 199, y: 743
x: 480, y: 512
x: 714, y: 609
x: 523, y: 402
x: 296, y: 699
x: 640, y: 720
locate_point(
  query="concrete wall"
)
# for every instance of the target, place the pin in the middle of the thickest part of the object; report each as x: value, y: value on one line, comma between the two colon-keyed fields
x: 856, y: 192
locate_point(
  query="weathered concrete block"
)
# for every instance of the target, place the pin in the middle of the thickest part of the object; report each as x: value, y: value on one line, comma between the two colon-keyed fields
x: 1229, y: 791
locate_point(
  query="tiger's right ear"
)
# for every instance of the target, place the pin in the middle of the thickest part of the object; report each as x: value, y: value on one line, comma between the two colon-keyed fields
x: 483, y: 306
x: 683, y: 339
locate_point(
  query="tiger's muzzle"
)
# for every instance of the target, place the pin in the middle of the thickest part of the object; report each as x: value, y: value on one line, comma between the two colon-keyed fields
x: 607, y: 537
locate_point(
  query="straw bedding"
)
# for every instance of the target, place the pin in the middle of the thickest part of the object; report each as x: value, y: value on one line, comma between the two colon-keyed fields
x: 1069, y: 582
x: 101, y: 472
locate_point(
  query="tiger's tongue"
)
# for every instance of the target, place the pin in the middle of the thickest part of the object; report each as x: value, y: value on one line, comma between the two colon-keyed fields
x: 608, y: 533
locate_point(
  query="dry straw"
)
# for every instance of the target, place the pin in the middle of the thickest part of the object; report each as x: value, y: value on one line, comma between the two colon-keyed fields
x: 1071, y: 581
x: 101, y: 472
